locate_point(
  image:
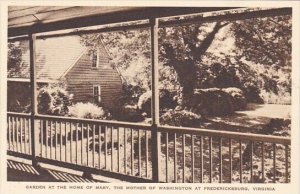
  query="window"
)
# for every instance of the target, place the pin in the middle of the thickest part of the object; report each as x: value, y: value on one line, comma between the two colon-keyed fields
x: 97, y: 93
x: 94, y: 58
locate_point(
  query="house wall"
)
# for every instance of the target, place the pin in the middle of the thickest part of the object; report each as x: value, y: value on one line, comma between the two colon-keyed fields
x: 82, y: 76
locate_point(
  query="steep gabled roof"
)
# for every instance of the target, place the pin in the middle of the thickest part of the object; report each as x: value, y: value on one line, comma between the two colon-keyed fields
x: 54, y: 56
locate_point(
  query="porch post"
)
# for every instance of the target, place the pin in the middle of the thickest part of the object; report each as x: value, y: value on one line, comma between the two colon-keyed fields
x: 155, y: 135
x: 33, y: 87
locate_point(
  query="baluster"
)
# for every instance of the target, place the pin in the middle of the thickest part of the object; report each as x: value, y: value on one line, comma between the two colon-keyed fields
x: 13, y: 133
x: 51, y: 141
x: 93, y: 145
x: 147, y: 152
x: 167, y: 157
x: 105, y: 148
x: 60, y: 145
x: 251, y: 161
x: 87, y: 143
x: 193, y: 158
x: 8, y: 132
x: 29, y: 136
x: 139, y: 152
x: 99, y: 146
x: 263, y: 161
x: 125, y: 151
x: 71, y: 139
x: 241, y: 161
x: 46, y: 139
x: 41, y: 136
x: 25, y: 132
x: 55, y: 140
x: 119, y: 162
x: 66, y: 142
x: 274, y: 163
x: 21, y: 135
x: 112, y: 148
x: 17, y: 134
x: 81, y: 156
x: 175, y: 160
x: 230, y: 161
x: 132, y: 152
x: 201, y: 159
x: 286, y: 163
x: 221, y: 160
x: 183, y: 158
x: 210, y: 159
x: 76, y: 144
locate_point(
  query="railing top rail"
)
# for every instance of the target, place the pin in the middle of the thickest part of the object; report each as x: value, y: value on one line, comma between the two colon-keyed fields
x: 99, y: 122
x: 169, y: 129
x: 18, y: 114
x: 227, y: 134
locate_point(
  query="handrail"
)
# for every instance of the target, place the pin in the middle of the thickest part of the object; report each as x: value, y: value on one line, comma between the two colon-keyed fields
x: 172, y: 129
x: 226, y: 134
x: 18, y: 114
x: 89, y: 121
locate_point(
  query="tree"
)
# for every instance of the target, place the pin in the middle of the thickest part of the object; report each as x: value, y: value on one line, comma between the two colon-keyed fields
x: 14, y: 60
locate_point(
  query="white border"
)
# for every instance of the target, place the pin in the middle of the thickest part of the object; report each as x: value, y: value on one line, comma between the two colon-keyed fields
x: 20, y: 187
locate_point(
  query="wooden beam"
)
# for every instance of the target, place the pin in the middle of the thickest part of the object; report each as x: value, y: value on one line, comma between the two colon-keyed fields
x: 155, y: 135
x: 229, y: 17
x: 224, y: 17
x: 33, y: 87
x: 125, y: 15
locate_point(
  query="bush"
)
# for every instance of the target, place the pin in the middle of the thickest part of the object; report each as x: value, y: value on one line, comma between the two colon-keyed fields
x: 130, y: 113
x: 180, y: 118
x: 239, y: 100
x: 271, y: 98
x: 211, y: 102
x: 144, y: 103
x: 167, y: 100
x: 88, y: 111
x: 54, y: 100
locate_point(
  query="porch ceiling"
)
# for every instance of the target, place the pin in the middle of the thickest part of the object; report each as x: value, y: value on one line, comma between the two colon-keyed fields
x: 25, y: 19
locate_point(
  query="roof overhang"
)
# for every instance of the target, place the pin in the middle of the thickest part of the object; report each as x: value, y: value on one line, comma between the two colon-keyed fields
x: 23, y: 20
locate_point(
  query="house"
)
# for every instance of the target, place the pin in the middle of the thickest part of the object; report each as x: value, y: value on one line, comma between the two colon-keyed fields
x: 87, y: 74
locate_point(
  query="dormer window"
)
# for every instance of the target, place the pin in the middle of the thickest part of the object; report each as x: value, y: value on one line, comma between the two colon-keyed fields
x: 94, y: 58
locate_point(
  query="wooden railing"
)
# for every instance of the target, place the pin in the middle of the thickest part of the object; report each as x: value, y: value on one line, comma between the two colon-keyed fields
x: 123, y: 150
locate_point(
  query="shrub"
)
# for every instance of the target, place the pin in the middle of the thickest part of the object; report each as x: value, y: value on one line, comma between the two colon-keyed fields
x: 144, y: 103
x: 211, y: 102
x: 88, y: 111
x: 130, y: 113
x: 271, y: 98
x: 54, y: 100
x: 180, y: 118
x: 167, y: 100
x: 239, y: 100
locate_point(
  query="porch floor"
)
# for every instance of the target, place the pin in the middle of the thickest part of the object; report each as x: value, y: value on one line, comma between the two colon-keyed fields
x: 21, y: 170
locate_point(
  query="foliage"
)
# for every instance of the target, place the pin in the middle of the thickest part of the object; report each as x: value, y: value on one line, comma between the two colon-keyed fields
x: 252, y: 55
x: 238, y: 98
x: 271, y: 98
x: 54, y: 100
x: 211, y: 102
x: 14, y: 60
x: 87, y: 111
x: 18, y: 97
x: 167, y: 100
x: 183, y: 118
x: 144, y: 103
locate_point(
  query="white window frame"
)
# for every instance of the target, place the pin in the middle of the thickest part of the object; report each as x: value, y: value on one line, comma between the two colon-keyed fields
x: 97, y: 59
x: 98, y: 97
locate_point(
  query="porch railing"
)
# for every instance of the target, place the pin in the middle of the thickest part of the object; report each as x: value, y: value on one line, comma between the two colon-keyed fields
x: 123, y: 150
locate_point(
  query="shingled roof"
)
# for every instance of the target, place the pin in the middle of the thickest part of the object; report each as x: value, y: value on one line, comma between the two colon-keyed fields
x: 54, y: 56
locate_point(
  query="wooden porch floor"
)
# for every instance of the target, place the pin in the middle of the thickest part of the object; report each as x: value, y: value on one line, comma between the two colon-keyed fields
x: 23, y: 171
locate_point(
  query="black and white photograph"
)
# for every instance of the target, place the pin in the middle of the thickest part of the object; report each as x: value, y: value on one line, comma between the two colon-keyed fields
x: 150, y: 94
